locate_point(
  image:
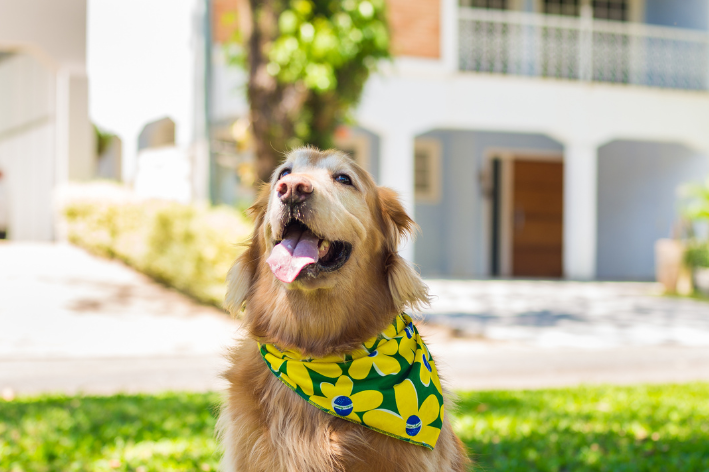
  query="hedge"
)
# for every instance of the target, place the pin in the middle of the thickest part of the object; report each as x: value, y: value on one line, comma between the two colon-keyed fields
x: 185, y: 246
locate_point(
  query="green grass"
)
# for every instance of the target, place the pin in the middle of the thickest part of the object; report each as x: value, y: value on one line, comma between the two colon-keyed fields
x: 167, y: 432
x: 642, y: 428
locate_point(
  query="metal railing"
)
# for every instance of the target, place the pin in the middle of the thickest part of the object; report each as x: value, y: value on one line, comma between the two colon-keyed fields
x: 536, y: 45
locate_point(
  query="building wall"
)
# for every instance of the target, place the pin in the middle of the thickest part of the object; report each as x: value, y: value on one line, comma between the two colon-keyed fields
x: 141, y: 61
x: 54, y: 30
x: 454, y: 239
x: 228, y: 89
x: 637, y: 202
x: 45, y: 133
x: 27, y: 137
x: 693, y: 14
x: 415, y: 27
x: 225, y: 19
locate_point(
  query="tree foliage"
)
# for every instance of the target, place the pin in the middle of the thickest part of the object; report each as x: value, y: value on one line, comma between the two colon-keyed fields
x: 696, y: 201
x: 307, y: 62
x: 695, y: 210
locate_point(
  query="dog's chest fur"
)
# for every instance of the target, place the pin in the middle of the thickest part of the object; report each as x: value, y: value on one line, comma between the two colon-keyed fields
x: 265, y: 426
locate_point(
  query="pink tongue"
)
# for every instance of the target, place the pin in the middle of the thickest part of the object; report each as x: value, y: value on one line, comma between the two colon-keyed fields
x: 298, y: 249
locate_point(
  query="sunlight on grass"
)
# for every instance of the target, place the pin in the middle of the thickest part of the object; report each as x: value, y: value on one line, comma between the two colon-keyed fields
x: 141, y: 433
x: 642, y: 428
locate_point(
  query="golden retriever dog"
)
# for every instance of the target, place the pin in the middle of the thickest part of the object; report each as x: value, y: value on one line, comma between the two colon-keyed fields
x: 344, y: 287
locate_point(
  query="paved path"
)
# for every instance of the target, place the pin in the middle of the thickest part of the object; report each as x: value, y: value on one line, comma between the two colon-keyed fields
x: 530, y: 334
x: 72, y: 322
x: 594, y: 315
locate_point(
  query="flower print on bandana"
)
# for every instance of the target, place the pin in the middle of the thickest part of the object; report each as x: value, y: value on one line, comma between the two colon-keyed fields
x: 381, y: 359
x: 411, y: 420
x: 407, y: 343
x: 339, y: 398
x: 296, y: 371
x: 378, y: 385
x: 427, y: 368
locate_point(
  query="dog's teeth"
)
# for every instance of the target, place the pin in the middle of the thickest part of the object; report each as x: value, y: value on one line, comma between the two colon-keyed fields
x: 324, y: 247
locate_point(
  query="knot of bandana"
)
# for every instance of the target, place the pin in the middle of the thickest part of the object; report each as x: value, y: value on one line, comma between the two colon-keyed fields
x: 390, y: 385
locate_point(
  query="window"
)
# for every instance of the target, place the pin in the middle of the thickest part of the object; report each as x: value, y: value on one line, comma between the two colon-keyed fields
x: 493, y: 4
x: 562, y: 7
x: 427, y: 170
x: 616, y: 10
x: 355, y: 145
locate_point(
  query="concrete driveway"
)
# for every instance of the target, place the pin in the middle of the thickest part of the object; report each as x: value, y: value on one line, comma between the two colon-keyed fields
x: 71, y: 322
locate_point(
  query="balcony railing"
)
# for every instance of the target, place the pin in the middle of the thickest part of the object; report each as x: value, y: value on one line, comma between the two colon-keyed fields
x: 530, y: 44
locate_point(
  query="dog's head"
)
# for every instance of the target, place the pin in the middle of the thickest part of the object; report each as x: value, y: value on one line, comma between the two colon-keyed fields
x: 321, y: 273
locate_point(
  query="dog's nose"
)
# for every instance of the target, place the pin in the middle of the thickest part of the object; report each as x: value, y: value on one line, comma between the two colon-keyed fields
x: 294, y: 189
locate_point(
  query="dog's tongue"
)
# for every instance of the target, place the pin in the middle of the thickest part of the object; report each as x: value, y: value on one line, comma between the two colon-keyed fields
x: 298, y: 249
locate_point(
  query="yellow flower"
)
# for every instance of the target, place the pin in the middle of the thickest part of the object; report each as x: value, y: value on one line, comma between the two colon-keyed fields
x: 297, y: 370
x: 427, y: 368
x: 411, y: 422
x: 369, y: 344
x: 408, y: 343
x: 380, y: 358
x: 394, y: 329
x: 274, y: 357
x: 339, y: 398
x: 299, y: 374
x: 391, y: 331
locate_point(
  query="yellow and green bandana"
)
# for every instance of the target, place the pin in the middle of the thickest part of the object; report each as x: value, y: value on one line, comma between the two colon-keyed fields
x: 390, y: 385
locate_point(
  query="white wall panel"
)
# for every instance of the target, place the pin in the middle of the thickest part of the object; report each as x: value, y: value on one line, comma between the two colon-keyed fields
x: 26, y: 160
x: 27, y: 136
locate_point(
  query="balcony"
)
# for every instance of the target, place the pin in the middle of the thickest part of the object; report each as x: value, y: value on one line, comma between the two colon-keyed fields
x: 583, y: 49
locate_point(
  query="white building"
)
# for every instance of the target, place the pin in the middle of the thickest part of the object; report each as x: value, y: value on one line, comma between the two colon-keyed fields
x: 562, y: 138
x: 146, y: 63
x: 539, y: 137
x: 527, y: 137
x: 45, y: 134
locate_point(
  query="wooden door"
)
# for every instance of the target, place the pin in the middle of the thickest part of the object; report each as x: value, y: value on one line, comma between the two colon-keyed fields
x: 537, y: 228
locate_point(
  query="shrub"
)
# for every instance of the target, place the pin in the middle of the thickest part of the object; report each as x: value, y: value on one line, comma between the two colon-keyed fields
x: 189, y: 247
x: 697, y: 254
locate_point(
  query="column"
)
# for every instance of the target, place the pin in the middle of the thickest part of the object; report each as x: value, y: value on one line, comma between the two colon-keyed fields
x: 396, y: 170
x: 449, y: 35
x: 580, y: 210
x: 76, y: 158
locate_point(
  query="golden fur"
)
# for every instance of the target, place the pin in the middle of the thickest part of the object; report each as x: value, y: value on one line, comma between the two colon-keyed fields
x: 264, y: 425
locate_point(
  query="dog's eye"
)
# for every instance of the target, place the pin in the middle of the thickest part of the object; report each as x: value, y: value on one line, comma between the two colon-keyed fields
x: 343, y: 179
x: 283, y: 173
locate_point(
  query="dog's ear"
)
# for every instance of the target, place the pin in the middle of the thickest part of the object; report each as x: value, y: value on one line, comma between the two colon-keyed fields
x: 238, y: 281
x: 397, y: 224
x: 406, y: 287
x: 240, y: 276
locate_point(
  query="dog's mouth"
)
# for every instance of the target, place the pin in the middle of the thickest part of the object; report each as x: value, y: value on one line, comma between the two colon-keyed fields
x: 301, y: 253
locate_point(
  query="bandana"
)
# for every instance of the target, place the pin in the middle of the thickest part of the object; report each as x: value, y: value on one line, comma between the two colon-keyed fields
x: 390, y: 385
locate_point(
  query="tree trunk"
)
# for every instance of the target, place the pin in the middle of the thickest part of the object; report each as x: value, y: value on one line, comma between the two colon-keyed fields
x: 273, y: 105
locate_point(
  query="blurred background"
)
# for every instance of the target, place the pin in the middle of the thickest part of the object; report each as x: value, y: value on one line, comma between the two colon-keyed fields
x: 555, y: 154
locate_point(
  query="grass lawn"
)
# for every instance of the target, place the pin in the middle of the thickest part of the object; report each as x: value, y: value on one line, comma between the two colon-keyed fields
x: 643, y: 428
